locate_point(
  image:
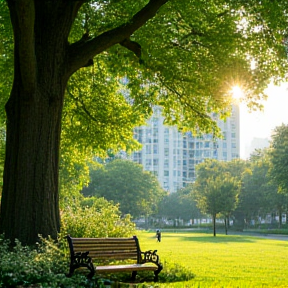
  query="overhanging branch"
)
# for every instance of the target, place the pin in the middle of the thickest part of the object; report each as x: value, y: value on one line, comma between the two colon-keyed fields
x: 80, y: 52
x: 185, y: 103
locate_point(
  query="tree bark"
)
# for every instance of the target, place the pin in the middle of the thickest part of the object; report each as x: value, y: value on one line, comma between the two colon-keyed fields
x: 43, y: 63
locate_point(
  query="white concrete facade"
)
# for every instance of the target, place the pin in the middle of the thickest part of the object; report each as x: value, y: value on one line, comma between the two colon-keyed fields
x: 172, y: 156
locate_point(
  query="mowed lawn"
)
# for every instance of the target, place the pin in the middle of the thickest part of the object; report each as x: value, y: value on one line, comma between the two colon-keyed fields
x: 224, y: 260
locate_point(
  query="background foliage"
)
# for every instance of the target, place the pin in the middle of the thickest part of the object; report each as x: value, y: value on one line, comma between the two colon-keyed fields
x: 138, y: 192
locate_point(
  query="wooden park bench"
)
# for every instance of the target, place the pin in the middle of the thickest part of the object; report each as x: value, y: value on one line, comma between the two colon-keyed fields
x: 96, y: 254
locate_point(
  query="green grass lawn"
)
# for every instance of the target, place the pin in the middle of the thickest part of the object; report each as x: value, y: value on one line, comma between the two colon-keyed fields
x: 224, y: 260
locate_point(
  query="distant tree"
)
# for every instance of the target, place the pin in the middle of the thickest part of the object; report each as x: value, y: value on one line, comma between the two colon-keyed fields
x: 259, y: 194
x: 179, y: 205
x: 249, y: 199
x: 279, y: 158
x: 137, y: 191
x: 216, y: 190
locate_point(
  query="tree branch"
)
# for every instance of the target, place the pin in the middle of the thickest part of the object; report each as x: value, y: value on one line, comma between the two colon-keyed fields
x: 185, y: 103
x: 80, y: 52
x: 132, y: 46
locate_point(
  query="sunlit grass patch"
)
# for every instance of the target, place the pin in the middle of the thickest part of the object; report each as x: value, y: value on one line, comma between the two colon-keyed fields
x: 223, y: 261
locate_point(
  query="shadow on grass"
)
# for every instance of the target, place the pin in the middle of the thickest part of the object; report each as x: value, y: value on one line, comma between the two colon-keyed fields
x: 218, y: 239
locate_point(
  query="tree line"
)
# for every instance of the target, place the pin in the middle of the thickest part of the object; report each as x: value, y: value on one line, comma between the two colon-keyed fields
x: 244, y: 191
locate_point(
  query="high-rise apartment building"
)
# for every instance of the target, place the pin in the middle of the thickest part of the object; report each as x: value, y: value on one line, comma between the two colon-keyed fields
x: 172, y: 156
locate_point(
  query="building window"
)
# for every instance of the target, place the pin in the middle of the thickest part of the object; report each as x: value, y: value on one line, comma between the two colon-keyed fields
x: 155, y: 162
x: 148, y: 149
x: 191, y: 145
x: 191, y: 174
x: 148, y: 162
x: 155, y: 149
x: 148, y: 132
x: 155, y: 131
x: 166, y: 173
x: 166, y: 163
x: 206, y: 154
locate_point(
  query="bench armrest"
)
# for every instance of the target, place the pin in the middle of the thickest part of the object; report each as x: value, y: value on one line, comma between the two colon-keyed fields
x: 150, y: 256
x: 81, y: 259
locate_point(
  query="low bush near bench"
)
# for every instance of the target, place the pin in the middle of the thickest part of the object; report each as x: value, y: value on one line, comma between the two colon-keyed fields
x: 25, y: 266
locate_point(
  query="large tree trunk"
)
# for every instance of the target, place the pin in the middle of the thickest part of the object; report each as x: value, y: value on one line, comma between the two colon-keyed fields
x: 30, y: 192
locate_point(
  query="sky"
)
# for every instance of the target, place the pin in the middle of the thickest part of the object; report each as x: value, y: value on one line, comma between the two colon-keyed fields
x: 259, y: 124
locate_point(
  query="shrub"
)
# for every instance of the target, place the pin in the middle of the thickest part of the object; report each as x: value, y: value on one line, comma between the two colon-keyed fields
x: 174, y: 272
x: 96, y: 217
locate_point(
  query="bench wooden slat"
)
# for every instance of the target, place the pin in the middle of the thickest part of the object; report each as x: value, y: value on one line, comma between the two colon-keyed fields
x: 103, y: 240
x: 125, y: 268
x: 105, y: 247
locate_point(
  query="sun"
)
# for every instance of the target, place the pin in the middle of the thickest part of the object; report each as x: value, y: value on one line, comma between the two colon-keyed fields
x: 237, y: 93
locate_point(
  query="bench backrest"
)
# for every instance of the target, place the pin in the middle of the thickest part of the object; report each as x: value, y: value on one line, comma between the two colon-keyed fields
x: 102, y: 249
